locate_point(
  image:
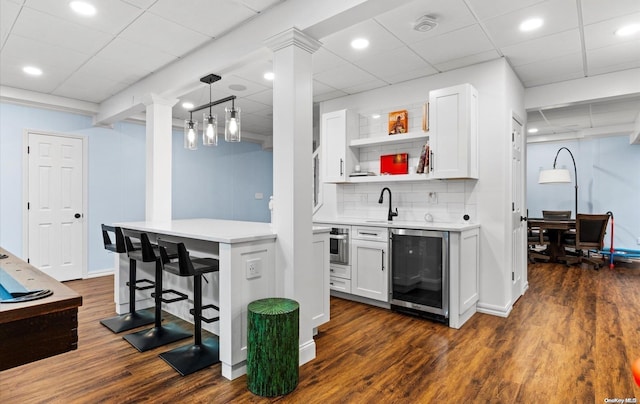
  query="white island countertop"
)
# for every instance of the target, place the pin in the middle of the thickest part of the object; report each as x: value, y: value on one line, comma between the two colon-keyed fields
x: 400, y: 224
x: 221, y: 231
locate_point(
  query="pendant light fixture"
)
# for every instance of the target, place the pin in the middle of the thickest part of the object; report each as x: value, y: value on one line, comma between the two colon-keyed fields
x: 190, y: 133
x: 209, y: 121
x: 232, y: 123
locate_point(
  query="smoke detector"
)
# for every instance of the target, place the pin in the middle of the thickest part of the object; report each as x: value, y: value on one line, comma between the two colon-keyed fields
x: 425, y: 23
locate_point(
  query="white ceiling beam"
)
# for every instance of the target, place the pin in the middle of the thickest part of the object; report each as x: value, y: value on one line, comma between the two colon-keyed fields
x: 41, y: 100
x: 604, y: 131
x: 634, y: 138
x: 601, y: 87
x: 241, y: 44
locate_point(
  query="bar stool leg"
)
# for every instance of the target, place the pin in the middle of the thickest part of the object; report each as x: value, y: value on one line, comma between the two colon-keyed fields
x: 191, y: 358
x: 160, y: 334
x: 133, y: 319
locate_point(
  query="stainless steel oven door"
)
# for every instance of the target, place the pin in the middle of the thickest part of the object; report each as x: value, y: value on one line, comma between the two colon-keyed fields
x: 339, y: 248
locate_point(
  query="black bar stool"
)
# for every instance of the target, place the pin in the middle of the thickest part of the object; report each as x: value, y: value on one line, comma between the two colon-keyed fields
x: 191, y: 358
x: 134, y: 318
x: 160, y: 334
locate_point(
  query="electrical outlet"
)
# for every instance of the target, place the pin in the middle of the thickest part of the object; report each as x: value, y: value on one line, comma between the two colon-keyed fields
x: 254, y: 268
x: 432, y: 198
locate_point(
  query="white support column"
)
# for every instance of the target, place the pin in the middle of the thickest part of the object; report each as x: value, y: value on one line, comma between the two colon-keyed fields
x: 292, y: 172
x: 158, y: 158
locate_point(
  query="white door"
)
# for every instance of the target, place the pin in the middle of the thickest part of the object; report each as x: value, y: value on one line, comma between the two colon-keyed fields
x: 55, y: 211
x: 519, y: 241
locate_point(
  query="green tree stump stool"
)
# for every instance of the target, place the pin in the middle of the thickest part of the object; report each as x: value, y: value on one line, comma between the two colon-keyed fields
x: 272, y: 346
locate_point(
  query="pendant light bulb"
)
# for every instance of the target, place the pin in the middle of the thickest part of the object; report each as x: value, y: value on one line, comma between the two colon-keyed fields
x: 190, y: 130
x: 232, y: 124
x: 210, y: 130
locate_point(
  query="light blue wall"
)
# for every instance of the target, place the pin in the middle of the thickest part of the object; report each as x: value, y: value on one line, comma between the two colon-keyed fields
x: 216, y: 182
x: 608, y: 180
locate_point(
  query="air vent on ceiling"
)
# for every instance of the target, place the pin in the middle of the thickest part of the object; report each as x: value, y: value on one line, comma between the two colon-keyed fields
x: 425, y: 23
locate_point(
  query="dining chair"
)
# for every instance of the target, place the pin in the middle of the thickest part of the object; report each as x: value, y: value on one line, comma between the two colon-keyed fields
x: 536, y: 237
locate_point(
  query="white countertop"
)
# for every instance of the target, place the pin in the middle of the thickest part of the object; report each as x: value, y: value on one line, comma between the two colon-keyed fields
x: 221, y: 231
x: 401, y: 224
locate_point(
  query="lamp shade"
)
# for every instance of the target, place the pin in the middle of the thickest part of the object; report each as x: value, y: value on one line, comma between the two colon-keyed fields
x: 559, y: 175
x: 190, y: 134
x: 209, y: 130
x: 232, y: 124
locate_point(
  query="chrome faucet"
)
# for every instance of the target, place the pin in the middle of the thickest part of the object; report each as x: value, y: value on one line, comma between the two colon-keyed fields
x: 391, y: 214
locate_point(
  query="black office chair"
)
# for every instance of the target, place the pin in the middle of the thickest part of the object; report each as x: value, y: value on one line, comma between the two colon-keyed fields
x: 191, y: 358
x: 556, y: 214
x: 590, y: 231
x: 536, y: 237
x: 134, y: 318
x: 160, y: 334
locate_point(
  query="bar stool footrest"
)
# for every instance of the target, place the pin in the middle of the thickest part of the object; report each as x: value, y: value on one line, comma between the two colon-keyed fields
x: 207, y: 320
x: 150, y: 284
x: 181, y: 296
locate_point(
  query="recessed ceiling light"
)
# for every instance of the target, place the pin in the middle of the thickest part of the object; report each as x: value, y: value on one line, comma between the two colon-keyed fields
x: 32, y: 70
x: 83, y: 8
x: 375, y: 116
x: 359, y: 43
x: 531, y: 24
x: 187, y: 105
x: 269, y: 76
x: 533, y: 130
x: 628, y: 30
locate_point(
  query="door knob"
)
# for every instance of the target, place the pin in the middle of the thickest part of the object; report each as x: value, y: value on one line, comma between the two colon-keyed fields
x: 77, y: 215
x: 523, y: 218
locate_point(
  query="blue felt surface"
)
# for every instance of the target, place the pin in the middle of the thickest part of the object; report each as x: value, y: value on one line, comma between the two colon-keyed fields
x: 8, y: 285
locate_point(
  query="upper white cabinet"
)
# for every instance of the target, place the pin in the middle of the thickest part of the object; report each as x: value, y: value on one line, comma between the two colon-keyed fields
x: 453, y: 132
x: 339, y: 160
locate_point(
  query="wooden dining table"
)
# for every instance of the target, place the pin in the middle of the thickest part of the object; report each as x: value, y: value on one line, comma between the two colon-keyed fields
x: 555, y: 229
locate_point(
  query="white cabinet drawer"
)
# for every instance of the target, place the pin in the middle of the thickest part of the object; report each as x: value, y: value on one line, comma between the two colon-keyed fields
x: 340, y: 271
x: 370, y: 233
x: 340, y: 284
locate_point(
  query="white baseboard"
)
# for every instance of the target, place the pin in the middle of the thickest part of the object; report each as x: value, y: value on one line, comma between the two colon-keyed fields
x: 494, y: 310
x: 104, y: 272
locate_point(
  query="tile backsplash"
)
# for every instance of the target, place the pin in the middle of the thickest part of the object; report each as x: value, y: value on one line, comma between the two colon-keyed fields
x: 445, y: 200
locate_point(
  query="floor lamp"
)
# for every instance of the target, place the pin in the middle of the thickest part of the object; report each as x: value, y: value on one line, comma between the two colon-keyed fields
x: 560, y: 175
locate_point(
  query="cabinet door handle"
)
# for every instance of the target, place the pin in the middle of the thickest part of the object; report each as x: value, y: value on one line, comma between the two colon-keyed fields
x: 382, y: 260
x: 362, y: 233
x: 431, y: 161
x: 341, y: 167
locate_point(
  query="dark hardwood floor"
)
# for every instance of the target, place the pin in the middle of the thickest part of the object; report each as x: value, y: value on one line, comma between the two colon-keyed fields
x: 571, y: 338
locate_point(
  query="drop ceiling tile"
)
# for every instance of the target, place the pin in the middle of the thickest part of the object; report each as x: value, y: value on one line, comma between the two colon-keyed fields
x: 344, y: 76
x: 260, y: 5
x: 598, y: 10
x: 392, y: 63
x: 111, y: 16
x: 488, y: 9
x: 100, y: 89
x: 327, y: 95
x: 146, y: 58
x: 209, y: 18
x: 369, y: 85
x: 263, y: 97
x: 411, y: 74
x: 40, y: 54
x: 117, y: 71
x: 58, y: 32
x: 324, y: 59
x: 453, y: 45
x: 163, y: 35
x: 320, y: 88
x: 558, y: 16
x: 566, y: 67
x: 603, y: 34
x: 618, y: 57
x: 12, y: 76
x: 142, y: 4
x: 228, y: 82
x: 467, y: 60
x: 548, y: 47
x: 249, y: 106
x: 450, y: 16
x: 255, y: 72
x: 8, y: 13
x: 380, y: 41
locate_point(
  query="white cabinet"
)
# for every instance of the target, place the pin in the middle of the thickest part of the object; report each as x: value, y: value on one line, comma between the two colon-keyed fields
x: 464, y: 281
x: 319, y: 302
x: 338, y: 158
x: 453, y: 132
x: 370, y: 269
